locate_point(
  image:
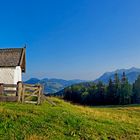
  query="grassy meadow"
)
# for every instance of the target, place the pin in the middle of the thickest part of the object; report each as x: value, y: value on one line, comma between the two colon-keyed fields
x: 68, y: 122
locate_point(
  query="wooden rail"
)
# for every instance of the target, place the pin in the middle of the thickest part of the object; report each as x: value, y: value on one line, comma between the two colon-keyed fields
x: 21, y: 92
x: 30, y: 91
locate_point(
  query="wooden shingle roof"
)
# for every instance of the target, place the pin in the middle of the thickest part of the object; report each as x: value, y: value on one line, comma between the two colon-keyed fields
x: 12, y: 57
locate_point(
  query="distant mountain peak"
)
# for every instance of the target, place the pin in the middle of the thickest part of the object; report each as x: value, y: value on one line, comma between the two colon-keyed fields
x: 131, y: 74
x: 134, y: 69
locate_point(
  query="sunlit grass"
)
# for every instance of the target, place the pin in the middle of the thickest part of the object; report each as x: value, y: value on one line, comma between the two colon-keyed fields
x: 67, y: 121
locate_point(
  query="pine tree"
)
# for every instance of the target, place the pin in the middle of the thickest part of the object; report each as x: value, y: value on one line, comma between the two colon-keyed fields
x: 117, y: 87
x: 110, y: 93
x: 100, y: 94
x: 126, y: 91
x: 136, y: 91
x: 123, y: 78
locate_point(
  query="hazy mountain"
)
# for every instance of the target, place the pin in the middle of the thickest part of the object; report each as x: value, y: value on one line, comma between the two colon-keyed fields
x: 32, y: 81
x: 53, y: 85
x: 131, y: 74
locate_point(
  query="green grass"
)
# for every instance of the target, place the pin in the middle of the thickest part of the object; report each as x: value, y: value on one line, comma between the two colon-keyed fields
x: 68, y: 122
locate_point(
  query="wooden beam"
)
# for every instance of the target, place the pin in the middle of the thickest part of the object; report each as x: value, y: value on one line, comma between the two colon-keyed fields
x: 9, y: 85
x: 9, y: 91
x: 23, y: 93
x: 1, y: 88
x: 31, y: 102
x: 19, y: 91
x: 22, y: 62
x: 8, y: 98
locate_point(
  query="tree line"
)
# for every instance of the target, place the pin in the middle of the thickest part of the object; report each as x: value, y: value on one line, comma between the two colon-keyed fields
x: 116, y: 92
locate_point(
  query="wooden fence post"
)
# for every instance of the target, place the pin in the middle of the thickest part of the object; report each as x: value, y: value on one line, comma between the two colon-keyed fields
x: 19, y: 90
x: 23, y: 93
x: 39, y: 94
x: 1, y: 88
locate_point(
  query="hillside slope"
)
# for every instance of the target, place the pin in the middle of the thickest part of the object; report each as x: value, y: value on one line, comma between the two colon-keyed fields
x: 66, y: 121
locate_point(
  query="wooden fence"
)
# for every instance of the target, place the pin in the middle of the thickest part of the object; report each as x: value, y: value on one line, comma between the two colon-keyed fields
x: 24, y: 93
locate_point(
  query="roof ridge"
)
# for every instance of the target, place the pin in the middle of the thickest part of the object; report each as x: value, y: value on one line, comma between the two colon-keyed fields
x: 10, y: 48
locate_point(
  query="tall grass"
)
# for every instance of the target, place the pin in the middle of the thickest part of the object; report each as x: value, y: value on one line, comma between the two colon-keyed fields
x: 67, y: 121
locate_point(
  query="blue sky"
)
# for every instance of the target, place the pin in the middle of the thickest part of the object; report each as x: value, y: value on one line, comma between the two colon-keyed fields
x: 73, y: 39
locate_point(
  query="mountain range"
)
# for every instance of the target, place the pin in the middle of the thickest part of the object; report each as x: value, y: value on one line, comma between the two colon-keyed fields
x: 54, y: 85
x: 131, y: 74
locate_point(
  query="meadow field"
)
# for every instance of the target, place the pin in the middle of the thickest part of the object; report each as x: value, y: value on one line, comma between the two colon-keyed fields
x: 66, y: 121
